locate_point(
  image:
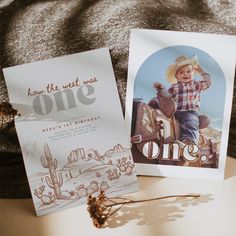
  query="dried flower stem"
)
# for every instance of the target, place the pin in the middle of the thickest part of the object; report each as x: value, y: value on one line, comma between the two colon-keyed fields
x: 100, y: 208
x: 154, y: 199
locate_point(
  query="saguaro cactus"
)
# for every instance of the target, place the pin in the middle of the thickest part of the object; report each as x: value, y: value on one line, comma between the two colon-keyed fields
x: 55, y: 180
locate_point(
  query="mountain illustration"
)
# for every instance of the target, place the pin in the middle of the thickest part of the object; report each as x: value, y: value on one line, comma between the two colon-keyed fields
x: 93, y: 154
x: 117, y: 148
x: 80, y: 160
x: 76, y: 155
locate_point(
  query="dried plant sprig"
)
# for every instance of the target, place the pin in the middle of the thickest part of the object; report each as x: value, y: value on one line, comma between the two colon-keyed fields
x: 100, y: 207
x: 7, y: 114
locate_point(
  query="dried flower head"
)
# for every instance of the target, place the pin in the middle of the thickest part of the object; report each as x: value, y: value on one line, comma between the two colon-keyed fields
x: 100, y: 208
x: 97, y: 210
x: 7, y: 113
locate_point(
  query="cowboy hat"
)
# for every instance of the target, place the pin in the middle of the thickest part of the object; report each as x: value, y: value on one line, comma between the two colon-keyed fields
x: 179, y: 62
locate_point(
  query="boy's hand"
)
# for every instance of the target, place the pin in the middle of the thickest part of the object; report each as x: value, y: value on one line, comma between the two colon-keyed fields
x: 158, y: 85
x: 199, y: 70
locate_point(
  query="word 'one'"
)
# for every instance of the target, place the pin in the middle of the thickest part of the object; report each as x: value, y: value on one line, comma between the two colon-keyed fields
x: 190, y: 153
x: 63, y: 100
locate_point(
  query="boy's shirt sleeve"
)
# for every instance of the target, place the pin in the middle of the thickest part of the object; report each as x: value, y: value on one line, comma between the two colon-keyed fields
x: 206, y: 81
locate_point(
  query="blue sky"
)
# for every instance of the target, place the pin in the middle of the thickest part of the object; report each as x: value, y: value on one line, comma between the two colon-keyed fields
x: 154, y: 70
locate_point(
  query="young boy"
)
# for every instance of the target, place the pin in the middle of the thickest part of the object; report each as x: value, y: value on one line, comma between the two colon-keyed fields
x: 186, y: 93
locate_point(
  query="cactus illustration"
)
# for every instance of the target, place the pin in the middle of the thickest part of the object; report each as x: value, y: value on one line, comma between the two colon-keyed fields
x: 113, y: 174
x: 45, y: 199
x: 125, y: 166
x: 55, y: 180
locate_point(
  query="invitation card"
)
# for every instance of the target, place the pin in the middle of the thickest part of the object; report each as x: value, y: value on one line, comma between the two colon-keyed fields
x: 71, y: 129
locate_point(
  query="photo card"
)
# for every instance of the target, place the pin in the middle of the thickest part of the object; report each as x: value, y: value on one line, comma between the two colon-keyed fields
x: 178, y: 104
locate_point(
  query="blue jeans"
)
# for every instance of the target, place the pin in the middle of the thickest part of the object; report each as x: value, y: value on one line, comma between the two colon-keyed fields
x: 189, y: 124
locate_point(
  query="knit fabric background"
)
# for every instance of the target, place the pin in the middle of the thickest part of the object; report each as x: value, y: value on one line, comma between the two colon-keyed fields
x: 32, y: 30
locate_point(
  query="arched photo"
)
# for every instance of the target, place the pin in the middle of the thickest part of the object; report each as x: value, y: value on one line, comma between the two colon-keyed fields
x: 174, y: 108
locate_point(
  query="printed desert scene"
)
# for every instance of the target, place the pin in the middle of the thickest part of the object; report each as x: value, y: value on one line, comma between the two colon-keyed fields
x: 85, y: 172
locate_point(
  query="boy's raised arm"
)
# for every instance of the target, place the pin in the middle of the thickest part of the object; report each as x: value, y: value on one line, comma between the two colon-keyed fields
x: 206, y: 81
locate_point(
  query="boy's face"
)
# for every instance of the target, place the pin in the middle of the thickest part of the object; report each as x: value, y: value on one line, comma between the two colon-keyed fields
x: 184, y: 74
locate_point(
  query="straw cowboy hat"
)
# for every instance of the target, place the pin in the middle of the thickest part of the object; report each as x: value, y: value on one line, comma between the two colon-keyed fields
x: 179, y: 62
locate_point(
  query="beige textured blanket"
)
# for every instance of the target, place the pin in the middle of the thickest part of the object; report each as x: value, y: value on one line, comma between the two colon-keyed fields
x: 33, y: 30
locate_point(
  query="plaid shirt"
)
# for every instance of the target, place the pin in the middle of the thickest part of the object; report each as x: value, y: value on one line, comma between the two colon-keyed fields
x: 187, y: 95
